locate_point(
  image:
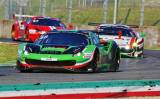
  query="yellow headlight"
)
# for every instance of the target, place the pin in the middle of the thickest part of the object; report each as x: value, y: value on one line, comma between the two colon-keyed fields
x: 135, y: 44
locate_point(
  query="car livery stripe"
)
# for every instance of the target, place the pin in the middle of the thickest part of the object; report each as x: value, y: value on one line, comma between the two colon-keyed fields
x: 133, y: 39
x: 81, y: 90
x: 140, y: 42
x: 80, y: 65
x: 52, y: 27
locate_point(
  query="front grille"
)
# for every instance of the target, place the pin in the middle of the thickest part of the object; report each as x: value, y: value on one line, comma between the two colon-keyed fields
x: 50, y: 63
x: 123, y: 50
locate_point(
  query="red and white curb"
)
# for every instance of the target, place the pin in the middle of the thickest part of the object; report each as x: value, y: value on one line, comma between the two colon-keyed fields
x: 80, y: 93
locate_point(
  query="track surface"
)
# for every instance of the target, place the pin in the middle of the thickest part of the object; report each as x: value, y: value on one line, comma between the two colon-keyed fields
x: 135, y: 69
x: 130, y: 69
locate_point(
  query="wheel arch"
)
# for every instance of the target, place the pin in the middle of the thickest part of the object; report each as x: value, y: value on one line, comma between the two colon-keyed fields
x: 97, y: 53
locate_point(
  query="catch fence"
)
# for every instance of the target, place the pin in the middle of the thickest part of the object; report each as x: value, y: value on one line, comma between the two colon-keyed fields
x: 132, y: 12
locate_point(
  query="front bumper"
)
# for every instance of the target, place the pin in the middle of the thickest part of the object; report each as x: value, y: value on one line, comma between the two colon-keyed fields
x: 135, y: 52
x: 58, y: 64
x: 72, y: 62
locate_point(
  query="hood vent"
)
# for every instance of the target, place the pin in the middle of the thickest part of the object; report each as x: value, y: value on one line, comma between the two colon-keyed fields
x: 51, y: 52
x: 67, y: 50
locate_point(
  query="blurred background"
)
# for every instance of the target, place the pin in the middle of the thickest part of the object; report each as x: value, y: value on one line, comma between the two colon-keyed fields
x: 134, y: 12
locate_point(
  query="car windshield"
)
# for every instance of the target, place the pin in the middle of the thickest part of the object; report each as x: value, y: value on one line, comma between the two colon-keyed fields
x: 28, y: 20
x: 63, y: 39
x: 115, y: 31
x: 47, y: 22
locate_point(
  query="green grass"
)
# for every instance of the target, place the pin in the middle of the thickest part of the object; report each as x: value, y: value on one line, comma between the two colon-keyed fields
x: 83, y: 15
x: 95, y: 14
x: 8, y: 52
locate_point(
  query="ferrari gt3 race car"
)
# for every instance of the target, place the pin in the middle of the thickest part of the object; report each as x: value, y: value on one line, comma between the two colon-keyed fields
x: 131, y: 43
x: 77, y: 51
x: 39, y: 26
x: 29, y: 28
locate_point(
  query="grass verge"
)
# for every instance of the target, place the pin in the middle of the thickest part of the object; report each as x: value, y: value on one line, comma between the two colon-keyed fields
x: 153, y: 48
x: 8, y: 52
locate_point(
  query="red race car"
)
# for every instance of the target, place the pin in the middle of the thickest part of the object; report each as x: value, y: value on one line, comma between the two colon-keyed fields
x: 34, y: 26
x: 39, y: 26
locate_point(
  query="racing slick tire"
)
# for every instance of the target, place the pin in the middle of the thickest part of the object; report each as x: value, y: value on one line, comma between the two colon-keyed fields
x: 93, y: 65
x: 115, y: 62
x: 142, y: 54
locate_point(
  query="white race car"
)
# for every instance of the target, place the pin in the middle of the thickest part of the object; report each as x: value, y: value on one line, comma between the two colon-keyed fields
x: 131, y: 43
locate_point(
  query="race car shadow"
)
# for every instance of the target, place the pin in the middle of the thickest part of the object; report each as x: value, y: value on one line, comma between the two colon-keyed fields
x: 2, y: 75
x: 71, y: 72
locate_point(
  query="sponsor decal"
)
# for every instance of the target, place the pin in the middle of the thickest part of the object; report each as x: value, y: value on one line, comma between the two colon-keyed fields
x: 48, y: 59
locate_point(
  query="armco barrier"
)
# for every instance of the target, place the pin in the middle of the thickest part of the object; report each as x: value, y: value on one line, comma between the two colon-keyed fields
x: 5, y: 28
x: 81, y: 90
x: 152, y: 38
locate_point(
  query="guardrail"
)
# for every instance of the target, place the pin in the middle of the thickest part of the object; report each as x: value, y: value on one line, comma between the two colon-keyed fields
x: 5, y: 28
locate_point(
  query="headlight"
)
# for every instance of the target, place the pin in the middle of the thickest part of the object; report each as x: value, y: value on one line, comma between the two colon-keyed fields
x: 136, y: 55
x: 135, y: 44
x: 32, y: 31
x: 76, y: 50
x: 26, y: 52
x: 78, y: 54
x: 127, y: 47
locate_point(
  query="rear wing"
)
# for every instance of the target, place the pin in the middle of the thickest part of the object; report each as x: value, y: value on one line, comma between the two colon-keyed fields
x: 21, y: 19
x: 94, y: 24
x: 133, y: 26
x: 22, y: 16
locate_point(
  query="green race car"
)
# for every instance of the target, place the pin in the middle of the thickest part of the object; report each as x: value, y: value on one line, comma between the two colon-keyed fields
x: 77, y: 51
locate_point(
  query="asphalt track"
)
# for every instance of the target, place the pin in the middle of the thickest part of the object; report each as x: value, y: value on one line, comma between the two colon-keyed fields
x: 130, y: 69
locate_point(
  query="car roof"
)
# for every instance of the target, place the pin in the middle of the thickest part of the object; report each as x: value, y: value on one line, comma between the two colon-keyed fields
x: 115, y: 26
x: 82, y: 32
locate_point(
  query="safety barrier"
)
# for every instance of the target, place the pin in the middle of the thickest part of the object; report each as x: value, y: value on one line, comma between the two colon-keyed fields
x: 152, y: 37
